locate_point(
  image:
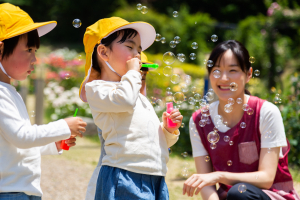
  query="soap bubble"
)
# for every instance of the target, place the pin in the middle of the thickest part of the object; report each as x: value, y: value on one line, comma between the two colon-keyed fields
x: 175, y: 14
x: 251, y: 59
x: 210, y: 96
x: 160, y: 103
x: 67, y: 76
x: 192, y: 101
x: 256, y: 72
x: 170, y: 150
x: 195, y: 45
x: 245, y: 107
x: 169, y: 58
x: 229, y: 163
x: 177, y: 39
x: 32, y: 113
x: 144, y: 9
x: 182, y: 125
x: 193, y: 89
x: 242, y: 188
x: 175, y: 78
x: 163, y: 40
x: 139, y: 6
x: 184, y: 154
x: 231, y: 143
x: 217, y: 74
x: 211, y: 90
x: 192, y: 56
x: 214, y: 38
x: 158, y: 37
x: 168, y: 70
x: 204, y: 61
x: 228, y: 108
x: 277, y: 99
x: 250, y: 111
x: 210, y: 63
x: 79, y: 57
x: 213, y: 137
x: 202, y: 122
x: 208, y: 121
x: 233, y: 86
x: 185, y: 172
x: 172, y: 44
x: 197, y: 97
x: 225, y: 123
x: 218, y: 118
x: 178, y: 97
x: 243, y: 125
x: 168, y: 89
x: 188, y: 79
x: 215, y: 129
x: 269, y: 150
x: 231, y: 101
x: 197, y: 108
x: 213, y: 146
x: 181, y: 57
x: 239, y: 101
x: 76, y: 23
x: 184, y: 87
x: 207, y: 158
x: 226, y: 138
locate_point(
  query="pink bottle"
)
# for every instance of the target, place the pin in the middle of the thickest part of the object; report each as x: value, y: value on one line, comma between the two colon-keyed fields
x: 169, y: 110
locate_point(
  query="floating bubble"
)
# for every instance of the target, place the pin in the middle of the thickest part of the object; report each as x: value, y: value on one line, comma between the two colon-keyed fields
x: 214, y: 38
x: 269, y: 150
x: 160, y: 103
x: 245, y: 107
x: 158, y: 37
x: 169, y: 98
x: 184, y: 154
x: 211, y: 90
x: 192, y: 101
x: 229, y: 163
x: 188, y: 79
x: 218, y: 118
x: 32, y: 113
x: 202, y: 122
x: 239, y: 101
x: 256, y: 176
x: 79, y: 57
x: 193, y: 89
x: 170, y: 150
x: 177, y: 39
x: 215, y: 129
x: 231, y: 101
x: 207, y: 158
x: 139, y: 6
x: 184, y: 87
x: 197, y: 107
x: 208, y: 121
x: 172, y: 44
x: 197, y: 97
x: 210, y: 63
x: 67, y: 76
x: 204, y: 61
x: 233, y: 86
x: 252, y: 59
x: 213, y: 137
x: 213, y: 146
x: 242, y: 188
x: 228, y: 108
x: 168, y: 89
x: 210, y: 96
x: 226, y: 138
x: 76, y: 23
x: 175, y: 78
x: 231, y: 143
x: 182, y: 125
x: 277, y: 99
x: 217, y: 73
x: 168, y: 70
x: 178, y: 97
x: 185, y: 172
x: 243, y: 125
x: 195, y: 45
x: 181, y: 57
x: 144, y: 9
x: 256, y: 72
x: 225, y: 123
x: 163, y: 40
x: 192, y: 56
x: 175, y: 14
x: 169, y: 58
x: 250, y: 111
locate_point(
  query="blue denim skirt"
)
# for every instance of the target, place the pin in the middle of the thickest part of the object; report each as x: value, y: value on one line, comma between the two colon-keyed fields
x: 119, y: 184
x: 17, y: 196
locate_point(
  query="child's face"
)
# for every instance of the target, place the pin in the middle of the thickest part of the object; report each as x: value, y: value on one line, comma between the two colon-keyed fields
x: 122, y: 52
x: 230, y: 72
x: 21, y: 62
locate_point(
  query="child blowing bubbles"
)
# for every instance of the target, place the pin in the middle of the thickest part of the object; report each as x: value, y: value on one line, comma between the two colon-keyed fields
x: 136, y: 143
x: 21, y: 144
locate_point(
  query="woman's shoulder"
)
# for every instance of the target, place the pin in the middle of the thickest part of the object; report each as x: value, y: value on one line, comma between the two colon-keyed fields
x: 269, y: 109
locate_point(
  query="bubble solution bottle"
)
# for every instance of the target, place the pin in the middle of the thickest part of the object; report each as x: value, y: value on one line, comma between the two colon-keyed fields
x: 169, y: 110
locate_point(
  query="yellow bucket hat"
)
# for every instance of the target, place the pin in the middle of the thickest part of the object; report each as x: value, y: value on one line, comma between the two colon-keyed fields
x: 102, y: 29
x: 14, y: 22
x: 144, y: 58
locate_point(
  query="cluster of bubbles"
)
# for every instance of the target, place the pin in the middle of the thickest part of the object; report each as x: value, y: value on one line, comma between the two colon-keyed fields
x: 160, y: 38
x: 277, y: 99
x: 76, y: 23
x: 142, y: 8
x: 175, y: 41
x: 185, y: 171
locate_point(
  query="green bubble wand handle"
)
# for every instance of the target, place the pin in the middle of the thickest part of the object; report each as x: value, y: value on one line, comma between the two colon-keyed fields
x: 63, y: 144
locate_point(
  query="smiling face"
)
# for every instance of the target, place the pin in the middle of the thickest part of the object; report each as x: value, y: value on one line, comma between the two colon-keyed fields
x: 21, y: 62
x: 229, y: 72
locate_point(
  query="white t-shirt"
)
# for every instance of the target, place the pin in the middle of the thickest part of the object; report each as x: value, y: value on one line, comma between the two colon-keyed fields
x: 270, y: 126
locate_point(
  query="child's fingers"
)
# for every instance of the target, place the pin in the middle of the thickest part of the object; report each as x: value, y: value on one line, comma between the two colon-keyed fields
x: 177, y: 119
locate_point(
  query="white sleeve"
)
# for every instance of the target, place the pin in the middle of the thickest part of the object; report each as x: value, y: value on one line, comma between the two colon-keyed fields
x: 197, y: 146
x: 50, y: 149
x: 271, y: 126
x: 22, y: 134
x: 104, y: 96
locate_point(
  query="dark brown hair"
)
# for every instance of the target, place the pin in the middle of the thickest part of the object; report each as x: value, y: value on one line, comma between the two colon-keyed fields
x: 240, y: 52
x: 33, y: 40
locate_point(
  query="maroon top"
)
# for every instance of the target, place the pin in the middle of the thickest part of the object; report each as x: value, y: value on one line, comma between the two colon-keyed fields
x: 245, y: 151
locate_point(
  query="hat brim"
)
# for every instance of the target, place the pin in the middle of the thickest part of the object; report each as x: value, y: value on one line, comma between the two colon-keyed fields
x: 146, y: 31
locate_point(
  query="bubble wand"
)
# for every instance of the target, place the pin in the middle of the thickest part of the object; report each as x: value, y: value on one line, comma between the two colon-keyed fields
x: 63, y: 144
x: 154, y: 65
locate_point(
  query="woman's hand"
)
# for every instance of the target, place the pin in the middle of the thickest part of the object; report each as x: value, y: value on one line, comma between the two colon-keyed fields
x: 198, y: 181
x: 175, y: 116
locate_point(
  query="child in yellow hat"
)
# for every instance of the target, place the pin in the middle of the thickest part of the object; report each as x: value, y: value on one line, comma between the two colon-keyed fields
x: 21, y: 144
x: 136, y: 142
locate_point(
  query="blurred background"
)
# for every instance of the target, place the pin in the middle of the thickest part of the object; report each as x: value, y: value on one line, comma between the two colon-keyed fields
x: 269, y: 30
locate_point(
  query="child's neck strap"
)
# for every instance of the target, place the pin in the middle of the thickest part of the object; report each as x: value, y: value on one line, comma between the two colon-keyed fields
x: 2, y: 68
x: 112, y: 68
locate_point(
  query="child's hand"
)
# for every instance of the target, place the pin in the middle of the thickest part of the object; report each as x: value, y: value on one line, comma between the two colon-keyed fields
x: 134, y: 64
x: 175, y: 116
x: 76, y: 126
x: 70, y: 142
